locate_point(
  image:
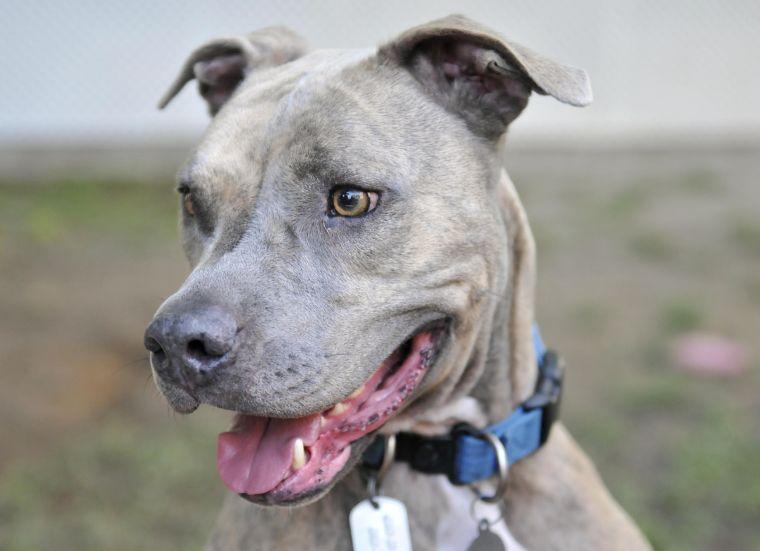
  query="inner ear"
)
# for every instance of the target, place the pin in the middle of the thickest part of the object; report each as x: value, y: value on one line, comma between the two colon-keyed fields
x: 475, y: 81
x: 221, y: 65
x: 480, y: 75
x: 218, y: 77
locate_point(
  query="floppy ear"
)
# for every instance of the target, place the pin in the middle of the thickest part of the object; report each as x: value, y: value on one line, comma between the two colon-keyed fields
x: 483, y: 77
x: 222, y: 64
x: 522, y: 278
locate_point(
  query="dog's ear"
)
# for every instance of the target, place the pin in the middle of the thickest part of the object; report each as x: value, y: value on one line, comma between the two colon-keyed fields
x: 221, y: 65
x: 475, y: 72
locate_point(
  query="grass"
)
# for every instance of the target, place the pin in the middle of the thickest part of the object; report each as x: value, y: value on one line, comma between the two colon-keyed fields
x: 746, y: 234
x: 56, y: 213
x: 588, y: 316
x: 752, y: 289
x: 680, y: 316
x: 653, y: 394
x: 626, y: 203
x: 115, y: 482
x: 700, y: 490
x: 711, y: 487
x: 699, y: 182
x: 651, y: 246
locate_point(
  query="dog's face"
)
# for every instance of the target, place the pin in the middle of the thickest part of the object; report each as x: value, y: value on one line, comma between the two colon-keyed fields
x: 340, y: 219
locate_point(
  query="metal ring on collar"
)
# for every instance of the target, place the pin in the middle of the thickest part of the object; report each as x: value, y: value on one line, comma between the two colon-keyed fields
x: 502, y: 463
x: 374, y: 480
x: 389, y: 454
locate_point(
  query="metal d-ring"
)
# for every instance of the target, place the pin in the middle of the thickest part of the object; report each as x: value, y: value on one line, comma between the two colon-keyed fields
x: 375, y: 479
x: 502, y: 462
x: 389, y: 454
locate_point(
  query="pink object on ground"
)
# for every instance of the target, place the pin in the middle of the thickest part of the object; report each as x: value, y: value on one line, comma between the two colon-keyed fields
x: 709, y: 355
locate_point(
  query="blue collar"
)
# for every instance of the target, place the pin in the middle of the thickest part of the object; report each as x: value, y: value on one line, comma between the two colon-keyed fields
x: 464, y: 455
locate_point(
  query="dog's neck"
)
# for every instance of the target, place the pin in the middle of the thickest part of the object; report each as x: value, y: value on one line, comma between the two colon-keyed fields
x: 493, y: 397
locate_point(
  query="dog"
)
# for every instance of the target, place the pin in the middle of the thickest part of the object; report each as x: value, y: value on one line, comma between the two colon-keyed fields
x: 362, y: 265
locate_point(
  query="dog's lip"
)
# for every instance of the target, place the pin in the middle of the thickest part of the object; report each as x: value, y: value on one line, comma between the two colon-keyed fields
x: 285, y: 461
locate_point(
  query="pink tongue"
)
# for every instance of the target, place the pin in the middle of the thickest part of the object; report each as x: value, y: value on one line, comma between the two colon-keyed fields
x: 255, y: 456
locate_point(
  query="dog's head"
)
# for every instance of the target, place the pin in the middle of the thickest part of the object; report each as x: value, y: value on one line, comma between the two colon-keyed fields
x: 344, y: 218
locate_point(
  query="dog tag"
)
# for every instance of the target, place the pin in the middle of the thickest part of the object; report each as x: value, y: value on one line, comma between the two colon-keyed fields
x: 381, y: 528
x: 486, y: 540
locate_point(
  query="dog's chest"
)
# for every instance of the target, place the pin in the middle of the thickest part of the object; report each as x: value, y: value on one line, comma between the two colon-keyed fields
x: 458, y: 525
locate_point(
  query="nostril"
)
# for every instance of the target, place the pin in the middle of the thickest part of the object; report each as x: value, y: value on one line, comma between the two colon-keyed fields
x: 199, y: 350
x: 154, y: 347
x: 187, y: 347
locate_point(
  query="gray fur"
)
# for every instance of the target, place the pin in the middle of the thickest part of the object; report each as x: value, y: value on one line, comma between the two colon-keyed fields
x: 323, y: 301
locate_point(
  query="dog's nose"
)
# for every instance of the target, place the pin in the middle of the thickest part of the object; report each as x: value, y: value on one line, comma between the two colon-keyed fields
x: 193, y: 344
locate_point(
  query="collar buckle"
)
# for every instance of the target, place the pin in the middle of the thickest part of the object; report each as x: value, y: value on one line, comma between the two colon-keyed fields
x: 548, y: 394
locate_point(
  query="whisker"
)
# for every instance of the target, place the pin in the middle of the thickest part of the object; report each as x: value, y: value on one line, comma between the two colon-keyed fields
x: 148, y: 380
x: 132, y: 363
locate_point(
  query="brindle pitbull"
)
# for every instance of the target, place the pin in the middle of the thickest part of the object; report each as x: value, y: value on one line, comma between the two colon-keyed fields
x: 362, y: 262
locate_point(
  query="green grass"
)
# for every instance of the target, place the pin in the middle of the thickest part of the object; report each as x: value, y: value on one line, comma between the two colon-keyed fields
x: 589, y: 317
x: 682, y: 459
x: 116, y: 482
x: 653, y: 394
x: 627, y: 203
x: 680, y: 316
x: 651, y: 246
x: 699, y: 182
x: 752, y: 289
x: 712, y: 491
x: 745, y: 233
x: 55, y: 213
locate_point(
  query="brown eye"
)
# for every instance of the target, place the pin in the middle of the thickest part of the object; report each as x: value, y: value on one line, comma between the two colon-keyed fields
x: 188, y: 203
x: 352, y: 202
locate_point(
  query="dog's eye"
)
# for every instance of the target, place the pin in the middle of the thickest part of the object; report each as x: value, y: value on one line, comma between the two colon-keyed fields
x: 195, y: 211
x: 351, y: 202
x: 188, y: 202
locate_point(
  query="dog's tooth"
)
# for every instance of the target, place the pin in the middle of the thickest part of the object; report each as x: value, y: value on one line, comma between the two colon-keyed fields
x: 356, y: 392
x: 337, y: 409
x: 322, y: 421
x: 299, y: 454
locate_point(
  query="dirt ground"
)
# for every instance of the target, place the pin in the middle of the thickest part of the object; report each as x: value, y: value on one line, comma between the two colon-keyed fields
x: 634, y: 250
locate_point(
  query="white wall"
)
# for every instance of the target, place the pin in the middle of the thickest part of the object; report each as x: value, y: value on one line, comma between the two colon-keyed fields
x: 92, y: 70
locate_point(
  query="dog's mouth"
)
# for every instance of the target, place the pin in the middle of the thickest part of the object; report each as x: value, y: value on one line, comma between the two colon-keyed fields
x: 279, y: 460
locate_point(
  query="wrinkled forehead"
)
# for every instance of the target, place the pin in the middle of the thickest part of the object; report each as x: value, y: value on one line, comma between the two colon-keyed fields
x: 312, y: 110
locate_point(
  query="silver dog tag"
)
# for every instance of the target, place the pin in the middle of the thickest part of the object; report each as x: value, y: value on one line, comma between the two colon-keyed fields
x: 381, y: 528
x: 486, y: 540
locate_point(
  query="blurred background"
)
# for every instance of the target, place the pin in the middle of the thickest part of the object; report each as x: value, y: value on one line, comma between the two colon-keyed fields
x: 645, y: 206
